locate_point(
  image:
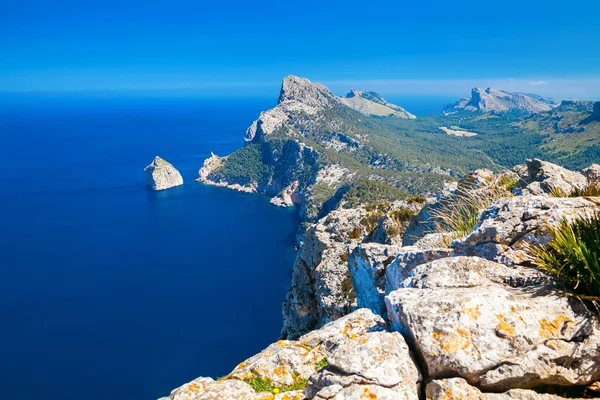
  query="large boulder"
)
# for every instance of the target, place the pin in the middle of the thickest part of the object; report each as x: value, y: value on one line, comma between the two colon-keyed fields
x: 510, y: 226
x: 538, y: 177
x: 482, y: 321
x: 161, y: 175
x: 373, y: 365
x: 592, y: 173
x: 458, y: 388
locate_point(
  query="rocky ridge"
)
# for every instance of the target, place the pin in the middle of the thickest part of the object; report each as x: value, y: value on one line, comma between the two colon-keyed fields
x: 371, y: 103
x: 493, y: 100
x: 435, y: 319
x: 161, y: 175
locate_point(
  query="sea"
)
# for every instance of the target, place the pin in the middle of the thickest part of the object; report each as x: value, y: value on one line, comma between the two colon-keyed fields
x: 110, y: 290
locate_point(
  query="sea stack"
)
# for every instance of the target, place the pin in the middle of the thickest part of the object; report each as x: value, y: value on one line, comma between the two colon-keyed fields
x: 161, y: 175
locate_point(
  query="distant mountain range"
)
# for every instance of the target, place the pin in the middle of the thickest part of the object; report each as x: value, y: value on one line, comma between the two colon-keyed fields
x: 494, y: 100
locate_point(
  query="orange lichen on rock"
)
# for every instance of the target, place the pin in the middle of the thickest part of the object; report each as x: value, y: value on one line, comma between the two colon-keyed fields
x: 504, y: 327
x: 367, y: 394
x: 473, y: 312
x: 553, y: 328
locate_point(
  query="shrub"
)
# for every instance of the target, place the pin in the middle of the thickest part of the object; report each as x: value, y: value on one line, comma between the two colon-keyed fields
x: 574, y: 254
x: 321, y: 364
x: 347, y: 288
x: 416, y: 199
x: 507, y: 182
x: 260, y: 385
x: 344, y: 258
x: 355, y: 233
x: 402, y: 215
x: 460, y: 213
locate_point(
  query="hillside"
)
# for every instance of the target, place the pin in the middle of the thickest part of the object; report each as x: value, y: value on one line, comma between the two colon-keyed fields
x: 571, y: 132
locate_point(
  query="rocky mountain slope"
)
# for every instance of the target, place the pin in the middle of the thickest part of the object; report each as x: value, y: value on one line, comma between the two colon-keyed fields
x: 371, y: 103
x: 387, y: 304
x: 493, y: 100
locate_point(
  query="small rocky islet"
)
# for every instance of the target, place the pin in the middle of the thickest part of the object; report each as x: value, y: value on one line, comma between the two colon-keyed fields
x: 387, y: 301
x: 161, y: 175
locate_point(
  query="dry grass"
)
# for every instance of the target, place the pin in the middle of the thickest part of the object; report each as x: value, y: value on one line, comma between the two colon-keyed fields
x: 460, y: 214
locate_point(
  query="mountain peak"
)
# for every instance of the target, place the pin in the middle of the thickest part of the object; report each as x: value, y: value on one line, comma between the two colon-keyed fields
x: 490, y: 99
x: 372, y: 103
x: 304, y: 91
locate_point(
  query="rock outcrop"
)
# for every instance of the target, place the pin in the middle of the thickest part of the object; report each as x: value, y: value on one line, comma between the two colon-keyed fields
x: 493, y: 100
x: 322, y: 288
x: 371, y: 103
x: 470, y: 318
x: 161, y: 175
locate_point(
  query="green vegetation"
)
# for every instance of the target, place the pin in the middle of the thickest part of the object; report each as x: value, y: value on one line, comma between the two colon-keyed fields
x: 416, y: 199
x: 367, y: 191
x: 321, y: 364
x: 260, y: 384
x: 460, y: 214
x: 355, y: 233
x: 245, y: 166
x: 347, y: 288
x: 574, y: 254
x: 590, y: 190
x: 508, y: 182
x: 370, y: 220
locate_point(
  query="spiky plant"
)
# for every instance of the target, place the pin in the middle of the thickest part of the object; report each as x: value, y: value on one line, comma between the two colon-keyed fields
x: 573, y: 254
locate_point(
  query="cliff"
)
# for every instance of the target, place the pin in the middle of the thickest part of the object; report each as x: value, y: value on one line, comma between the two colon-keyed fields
x: 451, y: 314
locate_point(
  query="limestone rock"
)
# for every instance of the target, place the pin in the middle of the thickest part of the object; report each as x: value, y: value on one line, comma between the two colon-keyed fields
x: 458, y: 388
x: 367, y: 264
x: 281, y: 362
x: 508, y: 227
x: 162, y: 175
x: 354, y: 324
x: 539, y: 177
x: 592, y: 173
x: 209, y: 389
x: 498, y: 337
x: 375, y: 362
x: 288, y: 197
x: 322, y: 289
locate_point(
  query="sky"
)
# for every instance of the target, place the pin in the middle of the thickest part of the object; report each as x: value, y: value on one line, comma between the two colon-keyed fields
x: 423, y: 47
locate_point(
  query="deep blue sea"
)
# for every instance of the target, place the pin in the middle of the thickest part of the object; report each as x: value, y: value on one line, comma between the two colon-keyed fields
x: 109, y: 290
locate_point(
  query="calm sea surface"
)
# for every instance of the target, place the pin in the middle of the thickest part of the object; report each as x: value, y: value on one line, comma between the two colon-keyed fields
x: 108, y: 290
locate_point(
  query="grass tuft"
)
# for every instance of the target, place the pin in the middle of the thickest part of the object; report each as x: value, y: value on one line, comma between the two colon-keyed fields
x: 460, y: 215
x: 574, y: 254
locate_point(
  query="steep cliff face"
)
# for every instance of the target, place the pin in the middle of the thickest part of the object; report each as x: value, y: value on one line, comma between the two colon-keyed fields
x: 489, y: 99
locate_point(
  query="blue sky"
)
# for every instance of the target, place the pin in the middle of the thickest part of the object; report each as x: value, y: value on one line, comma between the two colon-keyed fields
x: 427, y: 47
